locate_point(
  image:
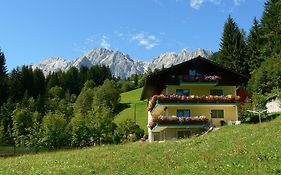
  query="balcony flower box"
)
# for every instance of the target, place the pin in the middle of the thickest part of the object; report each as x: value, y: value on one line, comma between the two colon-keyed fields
x: 190, y: 99
x: 174, y: 120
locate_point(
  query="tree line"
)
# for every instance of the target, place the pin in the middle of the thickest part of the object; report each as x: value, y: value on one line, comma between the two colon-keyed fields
x: 64, y: 109
x: 246, y: 54
x: 256, y: 55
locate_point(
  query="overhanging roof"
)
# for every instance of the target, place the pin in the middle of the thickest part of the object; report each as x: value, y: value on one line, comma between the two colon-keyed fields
x: 156, y: 82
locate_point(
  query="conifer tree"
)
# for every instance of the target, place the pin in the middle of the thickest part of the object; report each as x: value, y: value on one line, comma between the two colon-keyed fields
x: 233, y: 47
x: 271, y: 28
x: 16, y: 90
x: 254, y: 40
x: 3, y: 79
x: 38, y: 83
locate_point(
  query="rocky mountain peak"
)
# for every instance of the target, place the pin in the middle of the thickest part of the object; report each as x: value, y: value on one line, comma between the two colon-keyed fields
x: 121, y: 64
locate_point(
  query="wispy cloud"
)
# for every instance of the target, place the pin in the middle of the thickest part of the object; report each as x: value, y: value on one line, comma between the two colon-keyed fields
x: 216, y: 1
x: 91, y: 42
x: 158, y: 2
x: 148, y: 41
x: 104, y: 42
x: 196, y: 4
x: 125, y: 36
x: 238, y: 2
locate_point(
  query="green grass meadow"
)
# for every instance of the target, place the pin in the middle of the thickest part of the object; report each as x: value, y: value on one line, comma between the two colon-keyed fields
x: 131, y: 100
x: 244, y: 149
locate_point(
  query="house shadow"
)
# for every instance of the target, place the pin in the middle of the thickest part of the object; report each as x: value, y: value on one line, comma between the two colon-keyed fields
x: 122, y: 106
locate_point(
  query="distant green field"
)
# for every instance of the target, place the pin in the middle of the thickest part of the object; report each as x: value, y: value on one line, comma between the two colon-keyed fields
x: 244, y: 149
x: 131, y: 100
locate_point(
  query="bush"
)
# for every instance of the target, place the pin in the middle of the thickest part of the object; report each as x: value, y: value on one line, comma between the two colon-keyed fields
x: 81, y: 130
x: 54, y: 131
x: 107, y: 95
x: 267, y: 77
x: 128, y: 130
x: 257, y: 102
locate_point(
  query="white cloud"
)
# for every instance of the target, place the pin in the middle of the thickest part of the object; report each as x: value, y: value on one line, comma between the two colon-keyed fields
x: 151, y: 37
x: 104, y: 43
x: 238, y: 2
x: 149, y: 42
x: 158, y: 2
x: 196, y: 4
x: 216, y: 1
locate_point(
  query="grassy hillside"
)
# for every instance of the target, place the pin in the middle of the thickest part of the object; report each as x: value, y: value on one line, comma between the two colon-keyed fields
x: 244, y: 149
x: 128, y: 101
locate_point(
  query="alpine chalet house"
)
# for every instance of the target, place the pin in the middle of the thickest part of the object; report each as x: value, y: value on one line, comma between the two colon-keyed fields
x: 188, y: 98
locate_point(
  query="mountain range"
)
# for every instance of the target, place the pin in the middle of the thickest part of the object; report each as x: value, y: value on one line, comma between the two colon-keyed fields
x: 120, y: 64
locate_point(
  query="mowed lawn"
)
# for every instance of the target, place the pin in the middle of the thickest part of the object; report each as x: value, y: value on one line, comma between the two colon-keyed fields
x: 244, y: 149
x: 134, y: 105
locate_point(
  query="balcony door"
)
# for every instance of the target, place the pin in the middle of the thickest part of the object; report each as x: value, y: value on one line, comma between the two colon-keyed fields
x: 183, y: 113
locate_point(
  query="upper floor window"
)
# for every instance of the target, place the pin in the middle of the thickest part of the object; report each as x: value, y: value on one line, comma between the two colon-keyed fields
x: 193, y: 73
x: 182, y: 92
x: 216, y: 92
x: 183, y: 113
x: 217, y: 113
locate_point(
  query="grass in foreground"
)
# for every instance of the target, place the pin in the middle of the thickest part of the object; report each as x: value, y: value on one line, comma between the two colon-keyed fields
x: 131, y: 100
x: 245, y: 149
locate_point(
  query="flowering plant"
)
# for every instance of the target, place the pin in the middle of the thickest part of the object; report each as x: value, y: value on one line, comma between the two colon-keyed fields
x: 201, y: 78
x: 190, y: 99
x: 177, y: 120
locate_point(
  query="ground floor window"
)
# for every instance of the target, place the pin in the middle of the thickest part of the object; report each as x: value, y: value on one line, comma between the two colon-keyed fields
x: 156, y: 136
x: 216, y: 92
x: 184, y: 134
x: 183, y: 113
x: 217, y: 113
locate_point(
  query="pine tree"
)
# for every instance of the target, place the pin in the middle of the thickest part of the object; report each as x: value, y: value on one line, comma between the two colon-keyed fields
x: 233, y: 47
x: 16, y: 90
x: 72, y: 81
x: 3, y: 79
x: 38, y: 83
x: 254, y: 40
x: 271, y: 28
x: 6, y: 121
x: 52, y: 81
x: 27, y: 80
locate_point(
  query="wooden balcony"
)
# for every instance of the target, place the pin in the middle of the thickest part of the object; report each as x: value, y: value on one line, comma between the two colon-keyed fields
x: 158, y: 103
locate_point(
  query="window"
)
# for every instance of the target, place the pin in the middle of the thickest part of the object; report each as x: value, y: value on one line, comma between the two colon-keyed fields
x: 182, y: 92
x: 183, y: 134
x: 216, y: 92
x: 183, y: 113
x: 193, y: 73
x: 217, y: 113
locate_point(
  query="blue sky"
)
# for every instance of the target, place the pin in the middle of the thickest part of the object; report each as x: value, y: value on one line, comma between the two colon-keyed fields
x: 33, y: 30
